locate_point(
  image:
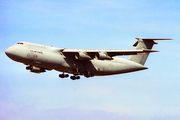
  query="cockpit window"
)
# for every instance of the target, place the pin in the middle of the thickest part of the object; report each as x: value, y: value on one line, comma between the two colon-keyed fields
x: 20, y: 43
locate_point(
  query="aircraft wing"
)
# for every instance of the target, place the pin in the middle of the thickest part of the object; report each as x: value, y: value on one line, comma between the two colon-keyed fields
x: 109, y: 51
x: 106, y: 53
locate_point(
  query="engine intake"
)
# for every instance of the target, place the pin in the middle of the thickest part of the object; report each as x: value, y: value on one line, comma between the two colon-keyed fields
x: 82, y: 56
x: 102, y: 56
x: 35, y: 69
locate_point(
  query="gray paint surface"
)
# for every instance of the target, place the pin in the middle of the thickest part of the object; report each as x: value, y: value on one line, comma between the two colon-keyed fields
x: 87, y: 62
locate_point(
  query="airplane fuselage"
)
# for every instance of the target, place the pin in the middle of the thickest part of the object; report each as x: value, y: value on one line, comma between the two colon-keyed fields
x: 48, y: 57
x: 86, y: 62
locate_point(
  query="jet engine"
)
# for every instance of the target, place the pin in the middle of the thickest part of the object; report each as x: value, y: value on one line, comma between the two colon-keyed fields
x: 35, y: 69
x: 82, y: 56
x: 102, y: 56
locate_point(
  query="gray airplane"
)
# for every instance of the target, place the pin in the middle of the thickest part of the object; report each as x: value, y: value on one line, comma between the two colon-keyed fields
x: 86, y: 62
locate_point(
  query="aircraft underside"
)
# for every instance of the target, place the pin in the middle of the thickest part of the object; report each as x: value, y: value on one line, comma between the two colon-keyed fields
x: 92, y: 68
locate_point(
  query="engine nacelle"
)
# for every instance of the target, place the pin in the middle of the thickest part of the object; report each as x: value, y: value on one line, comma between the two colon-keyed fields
x: 102, y: 56
x: 35, y: 69
x: 82, y: 56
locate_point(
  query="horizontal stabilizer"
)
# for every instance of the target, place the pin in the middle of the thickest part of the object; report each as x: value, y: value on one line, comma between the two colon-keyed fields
x: 149, y: 39
x: 154, y: 38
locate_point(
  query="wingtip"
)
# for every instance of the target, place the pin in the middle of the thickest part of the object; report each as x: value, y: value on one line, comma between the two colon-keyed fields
x: 151, y: 51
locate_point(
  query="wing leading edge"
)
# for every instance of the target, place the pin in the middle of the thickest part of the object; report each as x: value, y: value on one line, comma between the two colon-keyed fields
x: 105, y: 53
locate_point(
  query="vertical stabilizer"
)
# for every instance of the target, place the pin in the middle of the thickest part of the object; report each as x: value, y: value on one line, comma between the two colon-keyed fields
x: 144, y: 43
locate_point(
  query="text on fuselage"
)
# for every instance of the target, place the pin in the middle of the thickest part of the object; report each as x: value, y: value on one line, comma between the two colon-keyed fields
x: 35, y: 51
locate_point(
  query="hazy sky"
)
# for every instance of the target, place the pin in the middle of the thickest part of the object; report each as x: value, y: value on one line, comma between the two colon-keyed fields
x: 152, y: 94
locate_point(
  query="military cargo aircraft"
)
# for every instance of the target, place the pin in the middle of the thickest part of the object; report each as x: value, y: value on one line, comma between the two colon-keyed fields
x: 82, y: 62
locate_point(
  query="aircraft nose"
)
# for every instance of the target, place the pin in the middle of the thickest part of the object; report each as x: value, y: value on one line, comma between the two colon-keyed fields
x: 9, y: 52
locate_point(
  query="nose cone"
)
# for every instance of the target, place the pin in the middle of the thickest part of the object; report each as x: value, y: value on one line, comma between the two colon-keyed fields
x: 9, y: 52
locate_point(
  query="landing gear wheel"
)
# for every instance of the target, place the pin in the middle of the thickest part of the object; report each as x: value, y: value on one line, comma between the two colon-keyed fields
x: 66, y: 75
x: 63, y: 75
x: 75, y: 77
x: 28, y: 67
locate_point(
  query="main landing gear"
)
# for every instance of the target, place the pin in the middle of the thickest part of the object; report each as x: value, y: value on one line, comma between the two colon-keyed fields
x: 76, y: 74
x: 75, y: 77
x: 63, y: 75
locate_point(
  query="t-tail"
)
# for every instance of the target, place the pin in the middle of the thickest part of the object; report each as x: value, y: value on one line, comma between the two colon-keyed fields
x: 143, y: 44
